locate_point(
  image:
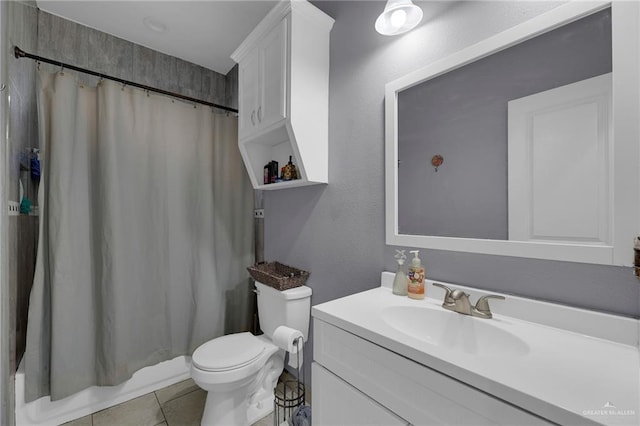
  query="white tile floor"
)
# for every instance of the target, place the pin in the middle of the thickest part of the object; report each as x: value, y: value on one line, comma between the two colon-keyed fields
x: 180, y: 404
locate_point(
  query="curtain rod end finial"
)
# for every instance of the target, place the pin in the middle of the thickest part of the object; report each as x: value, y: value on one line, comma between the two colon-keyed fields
x: 19, y: 53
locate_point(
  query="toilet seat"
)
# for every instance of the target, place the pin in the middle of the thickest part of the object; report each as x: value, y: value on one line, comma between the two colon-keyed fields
x: 228, y: 352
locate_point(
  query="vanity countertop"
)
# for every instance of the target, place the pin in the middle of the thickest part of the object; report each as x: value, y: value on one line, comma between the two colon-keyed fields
x: 572, y: 366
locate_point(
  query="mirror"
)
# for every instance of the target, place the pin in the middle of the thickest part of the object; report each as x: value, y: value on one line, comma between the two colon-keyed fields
x: 524, y: 144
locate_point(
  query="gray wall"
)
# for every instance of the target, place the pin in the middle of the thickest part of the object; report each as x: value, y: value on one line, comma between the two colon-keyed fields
x: 231, y: 87
x: 85, y: 47
x: 337, y: 231
x: 462, y: 115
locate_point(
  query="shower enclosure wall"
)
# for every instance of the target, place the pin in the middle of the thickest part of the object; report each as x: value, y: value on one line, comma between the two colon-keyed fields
x: 20, y: 231
x: 54, y: 37
x: 4, y: 300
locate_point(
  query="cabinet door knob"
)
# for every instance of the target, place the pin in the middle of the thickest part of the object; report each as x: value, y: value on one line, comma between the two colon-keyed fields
x: 253, y: 117
x: 260, y: 114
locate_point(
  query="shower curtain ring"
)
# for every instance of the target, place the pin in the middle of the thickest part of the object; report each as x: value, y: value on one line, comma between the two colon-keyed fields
x: 61, y: 69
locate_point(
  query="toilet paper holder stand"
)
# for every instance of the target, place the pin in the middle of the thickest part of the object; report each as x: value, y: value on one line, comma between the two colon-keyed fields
x: 290, y: 394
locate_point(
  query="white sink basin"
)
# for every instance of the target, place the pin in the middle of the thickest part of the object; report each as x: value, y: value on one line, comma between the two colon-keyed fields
x: 454, y: 331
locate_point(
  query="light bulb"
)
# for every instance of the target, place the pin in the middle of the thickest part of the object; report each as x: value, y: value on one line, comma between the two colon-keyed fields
x: 398, y: 18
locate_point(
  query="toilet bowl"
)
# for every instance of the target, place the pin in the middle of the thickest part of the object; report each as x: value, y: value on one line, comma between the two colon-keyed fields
x: 240, y: 371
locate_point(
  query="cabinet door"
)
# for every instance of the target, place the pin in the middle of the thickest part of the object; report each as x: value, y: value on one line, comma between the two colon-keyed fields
x: 335, y: 402
x: 273, y: 76
x: 248, y: 93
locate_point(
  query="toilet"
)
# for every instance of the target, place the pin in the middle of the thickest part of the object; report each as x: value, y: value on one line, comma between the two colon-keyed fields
x: 240, y: 371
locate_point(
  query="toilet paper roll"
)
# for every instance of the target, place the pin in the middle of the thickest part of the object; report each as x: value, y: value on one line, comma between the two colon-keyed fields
x: 285, y: 337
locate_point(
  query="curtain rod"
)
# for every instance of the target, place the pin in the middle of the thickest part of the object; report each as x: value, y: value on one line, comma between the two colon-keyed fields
x: 19, y: 53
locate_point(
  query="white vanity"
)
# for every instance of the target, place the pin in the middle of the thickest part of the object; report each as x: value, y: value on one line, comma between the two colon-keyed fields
x: 381, y: 359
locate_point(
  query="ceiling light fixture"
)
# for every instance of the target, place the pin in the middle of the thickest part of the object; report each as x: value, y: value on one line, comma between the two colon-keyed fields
x: 154, y: 25
x: 398, y: 16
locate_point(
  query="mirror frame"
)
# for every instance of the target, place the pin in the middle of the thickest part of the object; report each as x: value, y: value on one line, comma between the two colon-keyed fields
x: 625, y: 18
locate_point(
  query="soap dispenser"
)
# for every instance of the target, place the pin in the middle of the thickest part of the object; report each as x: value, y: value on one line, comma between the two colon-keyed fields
x: 415, y: 279
x: 400, y: 280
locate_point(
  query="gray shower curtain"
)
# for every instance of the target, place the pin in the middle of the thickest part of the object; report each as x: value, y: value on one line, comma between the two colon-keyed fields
x: 146, y: 222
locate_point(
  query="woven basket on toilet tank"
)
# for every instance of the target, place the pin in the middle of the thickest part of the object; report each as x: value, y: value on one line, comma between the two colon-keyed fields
x: 277, y: 275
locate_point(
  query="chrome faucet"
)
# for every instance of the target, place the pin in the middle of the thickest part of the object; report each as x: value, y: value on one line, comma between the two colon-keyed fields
x: 457, y: 300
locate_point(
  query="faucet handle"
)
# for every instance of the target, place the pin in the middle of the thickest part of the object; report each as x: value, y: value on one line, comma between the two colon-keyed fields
x: 482, y: 305
x: 448, y: 300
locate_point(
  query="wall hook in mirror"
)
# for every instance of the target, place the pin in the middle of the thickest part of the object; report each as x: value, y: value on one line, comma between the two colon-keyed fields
x: 436, y: 161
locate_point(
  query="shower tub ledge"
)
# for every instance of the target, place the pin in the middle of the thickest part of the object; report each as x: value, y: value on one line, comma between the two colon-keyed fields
x: 46, y: 412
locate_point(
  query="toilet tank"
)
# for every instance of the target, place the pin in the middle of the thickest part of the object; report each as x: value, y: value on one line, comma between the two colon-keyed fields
x: 289, y: 307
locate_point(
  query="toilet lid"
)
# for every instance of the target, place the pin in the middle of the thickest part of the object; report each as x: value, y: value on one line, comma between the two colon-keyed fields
x: 228, y: 352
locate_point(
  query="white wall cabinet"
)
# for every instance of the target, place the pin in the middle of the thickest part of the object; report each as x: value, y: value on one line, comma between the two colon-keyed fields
x: 262, y: 80
x: 284, y: 94
x: 400, y: 391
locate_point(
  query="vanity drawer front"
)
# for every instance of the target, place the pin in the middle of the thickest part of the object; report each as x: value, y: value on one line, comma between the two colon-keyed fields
x: 419, y: 394
x: 335, y: 402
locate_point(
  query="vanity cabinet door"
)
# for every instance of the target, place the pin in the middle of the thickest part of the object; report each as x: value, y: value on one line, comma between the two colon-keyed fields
x: 335, y: 402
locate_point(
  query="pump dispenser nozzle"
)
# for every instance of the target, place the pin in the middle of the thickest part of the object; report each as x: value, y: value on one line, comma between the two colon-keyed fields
x: 416, y: 260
